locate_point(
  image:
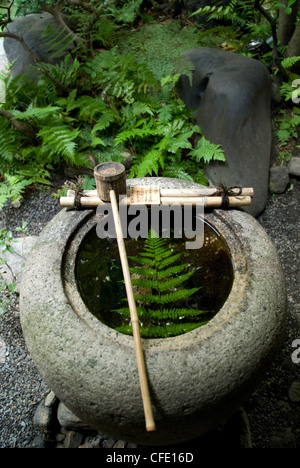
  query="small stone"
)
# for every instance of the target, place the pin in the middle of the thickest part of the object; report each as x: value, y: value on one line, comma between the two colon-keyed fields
x: 73, y: 439
x: 96, y: 442
x: 2, y: 352
x: 17, y: 203
x: 86, y: 445
x: 42, y: 417
x: 38, y: 442
x: 294, y: 167
x: 131, y: 445
x: 294, y: 391
x: 50, y: 400
x: 59, y: 437
x: 68, y: 420
x: 120, y: 444
x: 279, y: 179
x: 109, y: 443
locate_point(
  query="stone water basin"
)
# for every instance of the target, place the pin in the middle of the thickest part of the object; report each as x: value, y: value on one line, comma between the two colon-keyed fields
x: 197, y: 380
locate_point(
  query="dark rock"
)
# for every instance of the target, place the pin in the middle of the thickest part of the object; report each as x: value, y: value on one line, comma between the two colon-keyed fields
x: 38, y: 442
x: 231, y: 97
x: 109, y: 442
x: 279, y: 179
x: 42, y: 34
x: 68, y: 420
x: 73, y: 439
x: 43, y: 416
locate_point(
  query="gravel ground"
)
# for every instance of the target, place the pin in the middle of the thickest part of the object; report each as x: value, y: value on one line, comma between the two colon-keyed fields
x: 274, y: 408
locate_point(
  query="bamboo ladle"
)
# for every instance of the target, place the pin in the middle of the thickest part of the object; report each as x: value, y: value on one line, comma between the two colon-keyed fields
x: 111, y: 182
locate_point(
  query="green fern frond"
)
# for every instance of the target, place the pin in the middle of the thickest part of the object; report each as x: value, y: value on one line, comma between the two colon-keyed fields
x: 59, y: 140
x: 150, y: 163
x: 57, y: 41
x: 64, y: 73
x: 290, y: 61
x: 162, y: 331
x: 36, y: 113
x: 168, y: 314
x: 184, y: 66
x: 105, y: 32
x: 177, y: 173
x: 158, y: 282
x: 166, y: 298
x: 12, y: 188
x: 7, y: 144
x: 104, y: 121
x: 207, y: 151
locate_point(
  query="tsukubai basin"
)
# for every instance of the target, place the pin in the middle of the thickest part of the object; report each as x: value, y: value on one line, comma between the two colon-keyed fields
x: 197, y: 380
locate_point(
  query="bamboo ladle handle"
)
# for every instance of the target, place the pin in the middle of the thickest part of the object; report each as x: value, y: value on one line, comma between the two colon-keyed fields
x: 150, y: 424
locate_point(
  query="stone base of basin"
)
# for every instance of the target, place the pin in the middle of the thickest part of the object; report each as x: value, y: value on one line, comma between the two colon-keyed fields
x: 197, y: 380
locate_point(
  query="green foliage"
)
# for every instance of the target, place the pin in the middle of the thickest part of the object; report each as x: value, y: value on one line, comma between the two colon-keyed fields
x: 25, y: 7
x: 159, y: 281
x: 287, y: 122
x: 287, y: 127
x: 99, y: 104
x: 160, y: 45
x: 239, y: 13
x: 287, y: 7
x: 289, y: 61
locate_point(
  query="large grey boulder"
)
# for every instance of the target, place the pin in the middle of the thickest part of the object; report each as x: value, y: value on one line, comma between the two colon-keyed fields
x: 43, y: 35
x: 231, y: 96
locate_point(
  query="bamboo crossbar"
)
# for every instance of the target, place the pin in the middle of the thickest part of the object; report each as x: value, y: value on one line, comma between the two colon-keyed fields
x: 178, y: 193
x: 150, y: 424
x: 208, y: 201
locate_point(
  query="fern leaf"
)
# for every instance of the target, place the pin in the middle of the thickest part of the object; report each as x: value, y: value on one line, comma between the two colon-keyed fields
x: 148, y: 164
x: 207, y: 151
x: 3, y: 198
x: 178, y: 174
x: 7, y: 145
x: 59, y: 140
x: 184, y: 66
x: 168, y: 314
x: 162, y: 331
x: 140, y: 108
x: 290, y: 61
x: 156, y: 285
x: 168, y: 261
x: 173, y: 282
x: 144, y: 271
x: 35, y: 113
x: 143, y: 260
x: 166, y: 298
x: 174, y: 270
x: 103, y: 122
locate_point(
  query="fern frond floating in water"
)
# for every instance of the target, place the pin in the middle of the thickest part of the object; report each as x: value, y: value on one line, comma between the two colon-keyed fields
x: 158, y: 281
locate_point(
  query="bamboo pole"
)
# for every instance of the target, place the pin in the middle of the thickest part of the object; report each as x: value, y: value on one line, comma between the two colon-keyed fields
x: 208, y: 201
x: 203, y: 192
x: 150, y: 424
